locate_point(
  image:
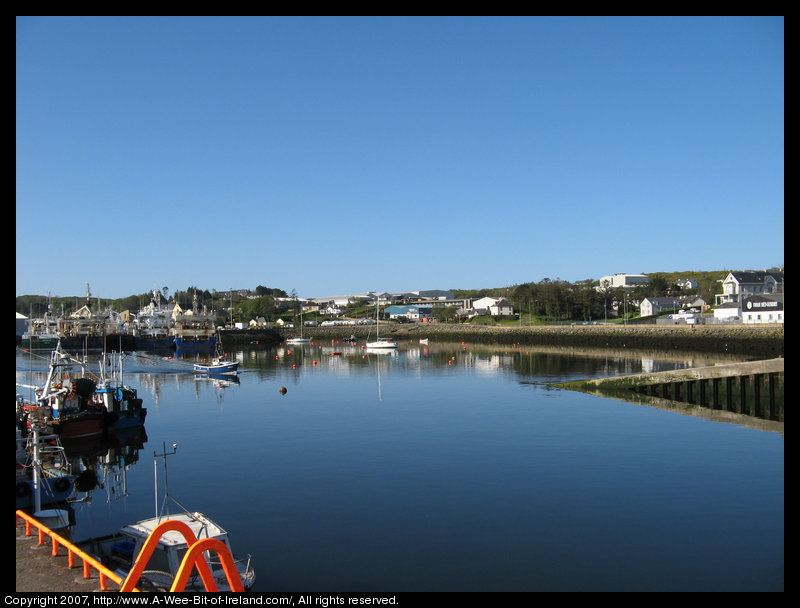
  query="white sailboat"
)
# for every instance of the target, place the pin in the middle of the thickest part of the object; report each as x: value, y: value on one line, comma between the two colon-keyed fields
x: 301, y: 339
x: 378, y: 343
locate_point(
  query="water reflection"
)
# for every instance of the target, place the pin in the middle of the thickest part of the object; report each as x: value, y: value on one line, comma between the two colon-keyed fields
x: 454, y: 467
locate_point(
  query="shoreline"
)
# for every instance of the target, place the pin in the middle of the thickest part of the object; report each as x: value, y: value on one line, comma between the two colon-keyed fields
x: 757, y: 340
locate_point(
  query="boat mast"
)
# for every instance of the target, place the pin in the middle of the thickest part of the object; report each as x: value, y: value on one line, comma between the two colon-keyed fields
x: 155, y: 474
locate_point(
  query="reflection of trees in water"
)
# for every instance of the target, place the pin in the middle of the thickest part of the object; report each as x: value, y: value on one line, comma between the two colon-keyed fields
x: 293, y: 361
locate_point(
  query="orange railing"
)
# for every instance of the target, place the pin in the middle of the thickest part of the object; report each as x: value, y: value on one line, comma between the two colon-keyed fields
x: 193, y: 557
x: 73, y: 552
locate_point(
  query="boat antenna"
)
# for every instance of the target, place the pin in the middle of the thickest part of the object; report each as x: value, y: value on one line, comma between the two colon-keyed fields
x: 155, y: 473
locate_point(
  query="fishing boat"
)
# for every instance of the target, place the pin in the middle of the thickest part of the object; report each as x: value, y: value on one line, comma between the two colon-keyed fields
x: 119, y: 550
x: 379, y: 344
x: 65, y: 406
x: 121, y: 402
x: 220, y: 363
x: 42, y: 333
x: 153, y: 325
x: 78, y: 409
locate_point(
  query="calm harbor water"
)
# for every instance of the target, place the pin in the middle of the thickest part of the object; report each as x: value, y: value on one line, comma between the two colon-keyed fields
x: 452, y: 467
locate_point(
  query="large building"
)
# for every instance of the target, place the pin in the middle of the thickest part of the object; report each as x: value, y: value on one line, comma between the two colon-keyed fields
x: 621, y: 279
x: 763, y: 309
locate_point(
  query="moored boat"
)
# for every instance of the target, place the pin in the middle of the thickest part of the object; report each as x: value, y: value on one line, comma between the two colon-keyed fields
x: 153, y: 325
x: 79, y: 409
x: 195, y: 329
x: 379, y: 344
x: 120, y: 550
x: 121, y: 402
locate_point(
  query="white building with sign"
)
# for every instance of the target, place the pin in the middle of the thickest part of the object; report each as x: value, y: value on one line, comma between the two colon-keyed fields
x: 763, y: 309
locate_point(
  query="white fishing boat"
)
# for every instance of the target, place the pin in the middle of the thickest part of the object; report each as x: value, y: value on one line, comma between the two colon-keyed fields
x: 379, y: 344
x: 120, y: 550
x: 153, y: 325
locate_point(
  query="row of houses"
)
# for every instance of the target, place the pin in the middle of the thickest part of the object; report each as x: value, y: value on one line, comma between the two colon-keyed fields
x: 747, y: 297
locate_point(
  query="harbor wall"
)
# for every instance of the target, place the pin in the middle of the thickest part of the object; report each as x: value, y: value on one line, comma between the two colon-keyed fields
x: 756, y: 340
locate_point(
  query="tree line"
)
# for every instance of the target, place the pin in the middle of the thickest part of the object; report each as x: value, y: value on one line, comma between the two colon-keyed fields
x: 552, y: 299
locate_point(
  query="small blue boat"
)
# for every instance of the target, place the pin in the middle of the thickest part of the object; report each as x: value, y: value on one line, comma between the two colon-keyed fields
x: 220, y: 363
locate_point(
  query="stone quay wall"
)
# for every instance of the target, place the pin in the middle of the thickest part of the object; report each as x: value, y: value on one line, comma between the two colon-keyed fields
x: 756, y: 340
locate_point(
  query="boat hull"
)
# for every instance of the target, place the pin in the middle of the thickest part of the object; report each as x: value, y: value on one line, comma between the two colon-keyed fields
x: 195, y: 344
x: 218, y: 368
x: 382, y: 344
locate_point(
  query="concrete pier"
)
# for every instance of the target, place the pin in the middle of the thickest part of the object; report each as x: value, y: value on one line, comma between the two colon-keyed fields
x: 750, y: 388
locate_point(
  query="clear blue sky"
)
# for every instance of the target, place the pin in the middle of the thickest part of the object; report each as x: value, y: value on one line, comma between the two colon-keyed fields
x: 344, y: 155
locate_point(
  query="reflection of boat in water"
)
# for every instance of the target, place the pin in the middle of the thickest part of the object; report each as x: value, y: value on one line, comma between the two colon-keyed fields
x: 219, y: 380
x: 120, y: 550
x: 42, y: 472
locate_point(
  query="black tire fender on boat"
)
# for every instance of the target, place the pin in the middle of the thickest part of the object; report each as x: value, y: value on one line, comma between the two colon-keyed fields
x: 23, y: 489
x: 62, y: 484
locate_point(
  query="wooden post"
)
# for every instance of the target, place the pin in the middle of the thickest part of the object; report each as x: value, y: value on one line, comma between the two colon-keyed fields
x: 729, y: 393
x: 743, y: 406
x: 771, y: 399
x: 757, y: 394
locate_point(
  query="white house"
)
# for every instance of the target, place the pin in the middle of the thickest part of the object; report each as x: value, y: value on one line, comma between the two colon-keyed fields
x: 492, y: 306
x: 763, y: 309
x: 727, y: 312
x: 653, y: 306
x: 739, y: 285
